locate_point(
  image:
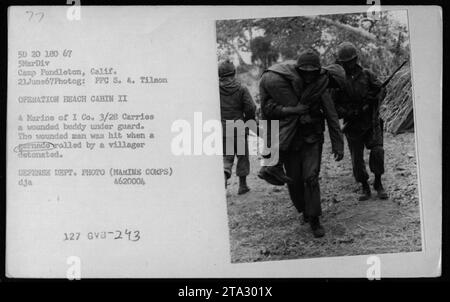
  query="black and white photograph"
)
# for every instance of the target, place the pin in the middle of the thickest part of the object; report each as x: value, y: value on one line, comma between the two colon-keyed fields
x: 346, y: 179
x: 237, y: 142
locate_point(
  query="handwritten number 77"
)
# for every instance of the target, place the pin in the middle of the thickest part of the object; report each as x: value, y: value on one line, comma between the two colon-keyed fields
x: 35, y: 16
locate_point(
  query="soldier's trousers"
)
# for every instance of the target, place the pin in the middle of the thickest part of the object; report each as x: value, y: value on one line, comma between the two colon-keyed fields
x: 243, y: 163
x: 376, y: 156
x: 303, y: 166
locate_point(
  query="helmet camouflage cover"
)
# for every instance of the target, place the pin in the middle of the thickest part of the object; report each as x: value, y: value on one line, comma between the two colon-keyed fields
x: 309, y: 61
x: 346, y: 52
x: 226, y: 68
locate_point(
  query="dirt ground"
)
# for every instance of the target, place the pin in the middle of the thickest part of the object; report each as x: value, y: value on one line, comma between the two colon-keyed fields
x: 265, y: 226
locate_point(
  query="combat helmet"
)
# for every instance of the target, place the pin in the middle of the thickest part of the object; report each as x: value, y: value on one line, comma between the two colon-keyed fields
x: 226, y: 68
x: 346, y: 52
x: 308, y: 61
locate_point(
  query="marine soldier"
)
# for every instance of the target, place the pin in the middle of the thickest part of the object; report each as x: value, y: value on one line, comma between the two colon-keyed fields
x: 358, y: 104
x: 285, y: 90
x: 236, y: 104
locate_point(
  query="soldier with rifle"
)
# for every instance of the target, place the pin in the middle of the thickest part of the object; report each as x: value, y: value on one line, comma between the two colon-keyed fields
x: 358, y: 104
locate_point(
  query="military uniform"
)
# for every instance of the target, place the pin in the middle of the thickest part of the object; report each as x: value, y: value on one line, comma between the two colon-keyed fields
x: 363, y: 130
x: 236, y: 104
x: 301, y: 137
x: 358, y: 104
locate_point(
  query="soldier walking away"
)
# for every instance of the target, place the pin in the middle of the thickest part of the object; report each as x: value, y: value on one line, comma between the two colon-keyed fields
x: 236, y: 104
x: 358, y: 104
x: 285, y: 89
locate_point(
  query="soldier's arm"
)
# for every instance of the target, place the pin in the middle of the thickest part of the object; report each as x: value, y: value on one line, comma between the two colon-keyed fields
x: 274, y: 110
x: 334, y: 128
x: 341, y: 104
x: 249, y: 107
x: 333, y: 84
x: 269, y: 108
x: 249, y: 110
x: 376, y: 91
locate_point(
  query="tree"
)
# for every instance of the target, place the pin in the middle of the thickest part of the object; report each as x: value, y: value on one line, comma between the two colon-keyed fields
x: 262, y: 52
x: 382, y: 43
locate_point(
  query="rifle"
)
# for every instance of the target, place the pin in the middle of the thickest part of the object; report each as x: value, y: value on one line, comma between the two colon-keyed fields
x: 383, y: 85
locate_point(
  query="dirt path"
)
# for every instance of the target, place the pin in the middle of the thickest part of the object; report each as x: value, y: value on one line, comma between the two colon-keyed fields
x: 265, y: 226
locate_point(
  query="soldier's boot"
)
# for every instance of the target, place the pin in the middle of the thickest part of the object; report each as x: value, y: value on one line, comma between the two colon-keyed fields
x: 274, y: 175
x: 366, y: 192
x: 243, y: 188
x: 378, y: 186
x: 305, y: 219
x: 317, y: 229
x: 269, y: 178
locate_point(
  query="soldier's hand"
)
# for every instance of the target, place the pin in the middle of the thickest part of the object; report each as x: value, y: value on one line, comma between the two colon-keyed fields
x: 354, y: 113
x: 374, y: 98
x: 338, y: 156
x: 301, y: 109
